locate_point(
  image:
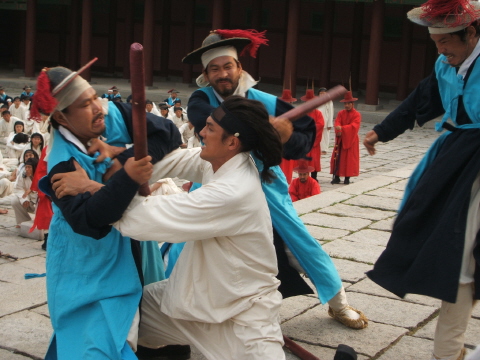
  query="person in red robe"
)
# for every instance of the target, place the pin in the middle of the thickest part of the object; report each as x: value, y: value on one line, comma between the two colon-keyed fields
x: 345, y: 159
x: 315, y: 153
x: 287, y: 165
x: 44, y: 212
x: 303, y: 186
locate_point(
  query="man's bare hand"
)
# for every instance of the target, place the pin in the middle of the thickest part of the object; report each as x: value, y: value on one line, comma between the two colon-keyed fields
x: 73, y: 183
x: 105, y: 150
x: 371, y: 138
x: 141, y: 170
x: 283, y: 126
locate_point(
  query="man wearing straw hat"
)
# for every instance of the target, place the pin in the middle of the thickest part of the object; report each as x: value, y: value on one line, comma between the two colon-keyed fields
x: 94, y: 274
x: 223, y: 72
x: 345, y: 159
x: 433, y: 248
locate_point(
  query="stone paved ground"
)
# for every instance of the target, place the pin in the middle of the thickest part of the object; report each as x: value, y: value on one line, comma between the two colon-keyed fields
x: 351, y: 222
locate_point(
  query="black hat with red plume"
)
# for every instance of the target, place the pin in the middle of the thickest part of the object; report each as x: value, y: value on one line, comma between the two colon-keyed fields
x: 243, y: 41
x: 57, y: 88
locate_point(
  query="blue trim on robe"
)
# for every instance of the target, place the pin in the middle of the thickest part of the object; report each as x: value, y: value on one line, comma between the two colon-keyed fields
x: 314, y: 260
x: 93, y: 286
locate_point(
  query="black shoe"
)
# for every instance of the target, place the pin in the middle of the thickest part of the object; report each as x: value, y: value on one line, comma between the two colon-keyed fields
x: 336, y: 180
x: 347, y: 181
x: 345, y: 352
x: 169, y: 352
x: 44, y: 245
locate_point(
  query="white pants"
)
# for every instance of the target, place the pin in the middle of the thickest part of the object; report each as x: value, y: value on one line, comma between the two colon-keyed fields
x: 22, y: 214
x: 6, y: 187
x: 226, y: 340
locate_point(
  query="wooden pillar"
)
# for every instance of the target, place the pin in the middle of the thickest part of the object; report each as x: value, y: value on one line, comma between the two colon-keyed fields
x: 86, y: 37
x: 406, y: 52
x: 128, y: 39
x: 148, y: 32
x: 256, y: 24
x: 30, y: 39
x: 112, y: 36
x: 290, y: 71
x: 189, y: 12
x: 74, y: 35
x: 165, y: 44
x: 357, y: 37
x: 374, y: 52
x: 327, y: 36
x: 218, y: 19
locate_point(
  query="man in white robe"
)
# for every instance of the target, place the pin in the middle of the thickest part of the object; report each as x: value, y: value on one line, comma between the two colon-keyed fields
x: 17, y: 110
x: 327, y: 112
x: 222, y: 296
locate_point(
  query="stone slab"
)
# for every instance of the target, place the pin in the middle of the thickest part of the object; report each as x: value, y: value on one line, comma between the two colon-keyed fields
x: 26, y: 331
x: 409, y: 348
x: 42, y: 310
x: 367, y: 185
x: 403, y: 173
x: 319, y: 201
x: 368, y: 236
x: 322, y: 352
x: 353, y: 251
x: 375, y: 202
x: 387, y: 193
x: 472, y: 335
x: 324, y: 233
x: 357, y: 211
x: 389, y: 311
x: 385, y: 225
x: 400, y: 185
x: 296, y: 305
x: 10, y: 355
x: 14, y: 297
x: 23, y: 251
x: 337, y: 222
x: 351, y: 271
x: 317, y: 328
x: 14, y: 272
x: 367, y: 286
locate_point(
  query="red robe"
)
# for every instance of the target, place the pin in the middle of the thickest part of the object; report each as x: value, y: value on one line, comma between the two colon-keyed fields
x: 315, y: 153
x: 287, y: 168
x: 299, y: 190
x: 345, y: 159
x: 44, y: 212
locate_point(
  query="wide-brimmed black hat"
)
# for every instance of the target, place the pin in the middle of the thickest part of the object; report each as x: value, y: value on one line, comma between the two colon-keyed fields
x: 240, y: 39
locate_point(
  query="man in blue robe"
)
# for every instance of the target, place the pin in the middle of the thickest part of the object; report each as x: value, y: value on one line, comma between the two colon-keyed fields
x: 297, y: 251
x: 432, y: 250
x: 94, y: 282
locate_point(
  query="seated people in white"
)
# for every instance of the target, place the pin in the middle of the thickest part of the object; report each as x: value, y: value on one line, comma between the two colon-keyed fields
x: 179, y: 118
x: 222, y: 295
x: 16, y: 141
x: 187, y: 131
x: 151, y: 108
x: 25, y: 200
x: 17, y: 110
x: 7, y: 124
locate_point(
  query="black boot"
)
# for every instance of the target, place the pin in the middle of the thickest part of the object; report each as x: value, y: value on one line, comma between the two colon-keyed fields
x: 45, y: 238
x: 313, y: 174
x: 169, y: 352
x: 345, y: 352
x: 336, y: 180
x: 347, y: 180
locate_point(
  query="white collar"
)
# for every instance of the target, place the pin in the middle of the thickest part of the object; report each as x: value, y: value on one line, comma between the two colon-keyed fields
x: 67, y: 134
x: 468, y: 61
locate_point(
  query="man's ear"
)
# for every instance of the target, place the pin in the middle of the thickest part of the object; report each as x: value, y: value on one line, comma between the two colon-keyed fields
x: 235, y: 143
x: 59, y: 117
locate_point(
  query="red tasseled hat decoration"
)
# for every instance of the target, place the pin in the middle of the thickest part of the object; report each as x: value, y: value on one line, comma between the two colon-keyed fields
x: 461, y: 10
x: 257, y: 38
x: 43, y: 102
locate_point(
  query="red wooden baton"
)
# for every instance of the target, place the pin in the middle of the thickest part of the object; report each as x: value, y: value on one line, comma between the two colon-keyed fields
x: 305, y: 108
x: 298, y: 350
x: 139, y: 115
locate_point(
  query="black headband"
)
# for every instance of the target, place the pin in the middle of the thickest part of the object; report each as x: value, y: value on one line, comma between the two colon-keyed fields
x: 231, y: 123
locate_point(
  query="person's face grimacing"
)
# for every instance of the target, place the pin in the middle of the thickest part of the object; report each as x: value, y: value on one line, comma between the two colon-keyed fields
x: 455, y: 50
x: 348, y: 106
x: 223, y: 74
x: 303, y: 176
x: 216, y: 148
x: 84, y: 117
